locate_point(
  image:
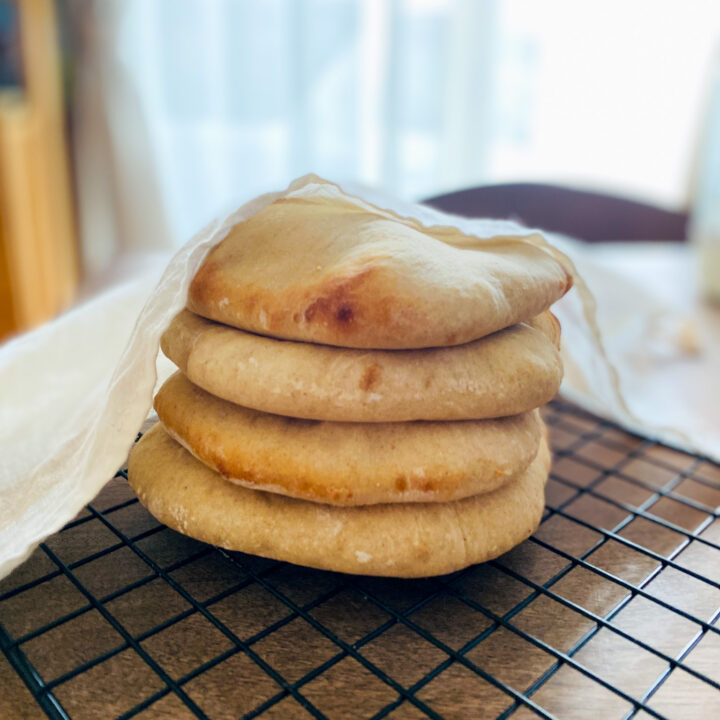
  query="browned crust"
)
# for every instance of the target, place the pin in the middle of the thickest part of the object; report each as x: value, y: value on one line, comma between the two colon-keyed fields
x: 354, y: 310
x: 378, y: 284
x: 323, y: 462
x: 509, y: 372
x: 403, y: 540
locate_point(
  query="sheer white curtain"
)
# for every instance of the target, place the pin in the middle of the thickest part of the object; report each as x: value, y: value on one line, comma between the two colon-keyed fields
x: 222, y: 99
x: 185, y: 107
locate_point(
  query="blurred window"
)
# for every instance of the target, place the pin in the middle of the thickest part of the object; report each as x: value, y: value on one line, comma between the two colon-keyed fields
x: 415, y: 96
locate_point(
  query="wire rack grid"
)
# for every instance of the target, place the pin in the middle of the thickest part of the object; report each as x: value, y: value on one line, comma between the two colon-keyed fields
x: 610, y: 610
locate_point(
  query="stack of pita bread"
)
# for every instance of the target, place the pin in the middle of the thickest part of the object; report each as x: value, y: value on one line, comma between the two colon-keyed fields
x: 357, y: 392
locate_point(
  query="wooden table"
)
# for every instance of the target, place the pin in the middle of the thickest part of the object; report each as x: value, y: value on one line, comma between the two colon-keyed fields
x: 610, y: 608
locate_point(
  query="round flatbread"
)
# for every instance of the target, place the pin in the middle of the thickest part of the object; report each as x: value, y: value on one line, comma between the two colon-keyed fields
x: 406, y: 540
x: 347, y: 463
x: 342, y: 273
x: 509, y: 372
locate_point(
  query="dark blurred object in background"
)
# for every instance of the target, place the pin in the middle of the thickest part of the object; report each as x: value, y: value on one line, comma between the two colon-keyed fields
x: 9, y: 45
x: 594, y: 217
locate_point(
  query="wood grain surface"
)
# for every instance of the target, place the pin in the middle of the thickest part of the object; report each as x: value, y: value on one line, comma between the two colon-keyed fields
x: 165, y: 626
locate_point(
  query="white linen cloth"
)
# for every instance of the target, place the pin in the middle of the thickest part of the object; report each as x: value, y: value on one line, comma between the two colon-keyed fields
x: 661, y: 337
x: 75, y: 393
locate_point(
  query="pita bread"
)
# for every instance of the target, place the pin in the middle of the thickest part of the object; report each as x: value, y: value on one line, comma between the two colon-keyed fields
x: 347, y: 463
x: 406, y: 540
x: 339, y: 273
x: 506, y: 373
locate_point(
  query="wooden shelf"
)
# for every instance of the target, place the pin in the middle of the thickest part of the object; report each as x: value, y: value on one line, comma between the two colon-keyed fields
x: 38, y: 248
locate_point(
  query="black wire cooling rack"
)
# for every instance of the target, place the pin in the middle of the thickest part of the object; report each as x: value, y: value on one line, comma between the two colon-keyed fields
x: 609, y: 611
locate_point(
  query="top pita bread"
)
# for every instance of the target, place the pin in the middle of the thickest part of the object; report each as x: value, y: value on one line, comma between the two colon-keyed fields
x: 334, y: 272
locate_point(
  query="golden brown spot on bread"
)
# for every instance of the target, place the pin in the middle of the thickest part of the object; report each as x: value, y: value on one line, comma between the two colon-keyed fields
x: 336, y: 302
x: 423, y: 484
x: 401, y: 484
x: 312, y: 309
x: 344, y: 313
x: 294, y: 486
x: 221, y: 465
x: 371, y: 377
x: 329, y: 309
x: 423, y: 553
x: 202, y: 287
